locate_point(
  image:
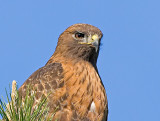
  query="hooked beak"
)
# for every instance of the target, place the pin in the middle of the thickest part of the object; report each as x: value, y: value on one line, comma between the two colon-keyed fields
x: 92, y: 40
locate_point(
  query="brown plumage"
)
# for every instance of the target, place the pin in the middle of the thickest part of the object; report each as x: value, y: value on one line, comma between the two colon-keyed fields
x: 71, y: 77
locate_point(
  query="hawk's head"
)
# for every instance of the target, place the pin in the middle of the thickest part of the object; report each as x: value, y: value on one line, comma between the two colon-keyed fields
x: 80, y: 41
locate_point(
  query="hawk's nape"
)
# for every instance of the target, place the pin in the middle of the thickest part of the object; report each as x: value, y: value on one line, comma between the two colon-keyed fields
x: 71, y: 77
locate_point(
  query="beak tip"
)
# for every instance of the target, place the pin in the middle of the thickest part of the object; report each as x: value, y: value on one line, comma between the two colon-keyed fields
x: 95, y: 41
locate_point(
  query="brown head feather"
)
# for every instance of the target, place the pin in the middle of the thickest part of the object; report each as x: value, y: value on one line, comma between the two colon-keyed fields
x: 69, y: 47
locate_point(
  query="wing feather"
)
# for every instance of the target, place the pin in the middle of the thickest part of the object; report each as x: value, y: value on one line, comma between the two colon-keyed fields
x: 45, y: 80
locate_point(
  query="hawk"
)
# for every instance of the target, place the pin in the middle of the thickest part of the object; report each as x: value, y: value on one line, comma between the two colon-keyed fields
x: 71, y: 77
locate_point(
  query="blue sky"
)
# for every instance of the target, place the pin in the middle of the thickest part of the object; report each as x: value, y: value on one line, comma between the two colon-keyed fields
x: 129, y: 60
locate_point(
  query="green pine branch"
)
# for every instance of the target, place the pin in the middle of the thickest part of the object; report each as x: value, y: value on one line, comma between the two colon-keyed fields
x: 22, y: 110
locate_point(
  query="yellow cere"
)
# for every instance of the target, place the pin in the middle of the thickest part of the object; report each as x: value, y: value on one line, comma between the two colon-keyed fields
x: 95, y: 37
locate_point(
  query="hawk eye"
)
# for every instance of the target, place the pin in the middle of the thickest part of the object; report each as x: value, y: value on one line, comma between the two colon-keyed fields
x: 79, y: 35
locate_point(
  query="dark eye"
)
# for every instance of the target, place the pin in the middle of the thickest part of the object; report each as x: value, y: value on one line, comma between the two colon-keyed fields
x: 79, y: 35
